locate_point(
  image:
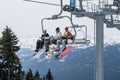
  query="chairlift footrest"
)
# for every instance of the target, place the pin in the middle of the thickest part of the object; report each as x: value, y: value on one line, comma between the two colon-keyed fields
x: 81, y: 41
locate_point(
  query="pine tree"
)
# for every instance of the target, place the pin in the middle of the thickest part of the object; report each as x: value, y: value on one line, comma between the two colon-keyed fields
x: 37, y: 76
x: 29, y: 75
x: 11, y: 66
x: 49, y: 75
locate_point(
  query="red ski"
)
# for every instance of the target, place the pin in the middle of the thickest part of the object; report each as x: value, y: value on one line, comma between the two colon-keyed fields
x: 64, y: 52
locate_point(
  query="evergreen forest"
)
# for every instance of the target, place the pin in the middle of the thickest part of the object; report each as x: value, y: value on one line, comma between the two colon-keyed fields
x: 10, y: 66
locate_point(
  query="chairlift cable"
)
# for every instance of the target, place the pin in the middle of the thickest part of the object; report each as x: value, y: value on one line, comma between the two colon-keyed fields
x: 43, y: 2
x: 46, y: 2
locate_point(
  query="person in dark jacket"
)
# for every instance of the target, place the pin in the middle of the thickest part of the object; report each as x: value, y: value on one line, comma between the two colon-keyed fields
x: 44, y: 41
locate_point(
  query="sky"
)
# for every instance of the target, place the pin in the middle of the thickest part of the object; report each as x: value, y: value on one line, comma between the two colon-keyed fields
x: 24, y: 18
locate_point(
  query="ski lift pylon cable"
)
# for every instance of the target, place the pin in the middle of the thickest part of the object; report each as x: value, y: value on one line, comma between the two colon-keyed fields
x: 48, y: 3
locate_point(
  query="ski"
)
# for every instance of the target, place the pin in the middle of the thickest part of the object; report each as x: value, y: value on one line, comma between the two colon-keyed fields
x: 62, y: 53
x: 37, y: 54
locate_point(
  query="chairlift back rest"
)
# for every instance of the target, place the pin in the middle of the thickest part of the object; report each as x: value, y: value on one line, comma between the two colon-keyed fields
x: 73, y: 37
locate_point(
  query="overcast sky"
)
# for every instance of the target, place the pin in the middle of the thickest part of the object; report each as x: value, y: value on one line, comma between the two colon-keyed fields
x: 24, y: 18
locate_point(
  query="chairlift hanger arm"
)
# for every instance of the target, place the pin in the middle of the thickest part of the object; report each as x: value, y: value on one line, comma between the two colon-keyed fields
x: 54, y: 17
x: 57, y: 17
x: 50, y: 18
x: 76, y: 26
x: 73, y: 25
x: 81, y: 5
x: 42, y: 23
x: 61, y: 2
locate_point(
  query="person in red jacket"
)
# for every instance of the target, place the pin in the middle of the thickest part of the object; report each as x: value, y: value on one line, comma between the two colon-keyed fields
x: 67, y: 35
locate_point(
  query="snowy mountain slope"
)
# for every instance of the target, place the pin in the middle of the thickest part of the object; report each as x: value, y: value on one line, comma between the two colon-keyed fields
x: 78, y: 64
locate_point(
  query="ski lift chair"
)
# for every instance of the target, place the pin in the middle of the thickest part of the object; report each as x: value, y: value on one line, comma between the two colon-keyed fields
x: 75, y: 40
x: 78, y: 41
x: 81, y: 41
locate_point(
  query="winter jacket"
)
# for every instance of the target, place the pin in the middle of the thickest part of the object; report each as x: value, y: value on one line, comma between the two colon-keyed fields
x: 67, y: 35
x: 58, y: 36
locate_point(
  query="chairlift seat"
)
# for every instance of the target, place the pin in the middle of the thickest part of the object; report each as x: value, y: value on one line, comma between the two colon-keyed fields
x: 81, y: 41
